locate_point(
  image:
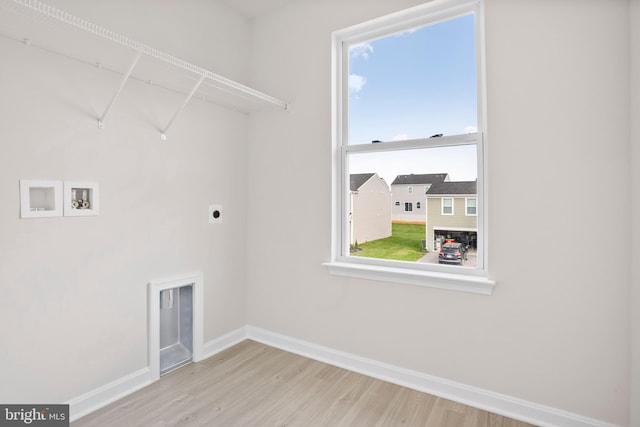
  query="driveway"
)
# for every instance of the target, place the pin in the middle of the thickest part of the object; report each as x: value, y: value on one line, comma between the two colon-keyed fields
x: 432, y: 258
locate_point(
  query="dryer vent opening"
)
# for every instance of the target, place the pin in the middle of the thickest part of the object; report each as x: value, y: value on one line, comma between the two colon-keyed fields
x: 175, y: 308
x: 176, y: 328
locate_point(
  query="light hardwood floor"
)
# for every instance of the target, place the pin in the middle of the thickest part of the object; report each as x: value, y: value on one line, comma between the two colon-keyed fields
x: 251, y: 384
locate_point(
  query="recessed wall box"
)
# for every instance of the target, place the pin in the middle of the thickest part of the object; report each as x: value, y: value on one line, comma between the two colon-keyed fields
x: 175, y: 328
x: 39, y: 199
x: 81, y: 198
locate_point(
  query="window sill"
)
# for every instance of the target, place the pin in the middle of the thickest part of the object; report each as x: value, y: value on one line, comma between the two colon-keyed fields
x: 430, y: 279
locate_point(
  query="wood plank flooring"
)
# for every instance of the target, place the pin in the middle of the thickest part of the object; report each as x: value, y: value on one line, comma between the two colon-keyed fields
x: 251, y: 384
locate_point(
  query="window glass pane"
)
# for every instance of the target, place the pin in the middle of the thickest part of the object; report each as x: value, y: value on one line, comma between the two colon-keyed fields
x: 447, y: 206
x: 384, y: 220
x: 405, y: 200
x: 415, y: 84
x: 458, y: 162
x: 471, y: 207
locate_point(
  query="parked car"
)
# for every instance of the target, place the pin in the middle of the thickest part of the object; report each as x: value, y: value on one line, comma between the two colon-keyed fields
x: 453, y: 252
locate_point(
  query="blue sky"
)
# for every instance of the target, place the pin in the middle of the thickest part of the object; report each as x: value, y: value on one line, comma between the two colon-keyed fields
x: 414, y: 85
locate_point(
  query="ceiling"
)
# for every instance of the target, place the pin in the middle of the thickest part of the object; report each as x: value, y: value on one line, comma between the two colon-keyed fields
x: 254, y: 8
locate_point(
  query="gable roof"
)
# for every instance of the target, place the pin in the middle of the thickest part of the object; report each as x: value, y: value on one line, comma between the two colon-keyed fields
x: 425, y: 178
x: 457, y: 187
x: 357, y: 180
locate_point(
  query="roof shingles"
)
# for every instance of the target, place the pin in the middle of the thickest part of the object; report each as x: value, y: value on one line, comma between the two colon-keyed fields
x: 459, y: 187
x: 356, y: 180
x: 425, y: 178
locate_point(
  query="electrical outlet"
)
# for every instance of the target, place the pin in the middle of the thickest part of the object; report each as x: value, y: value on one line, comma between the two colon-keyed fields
x: 215, y: 214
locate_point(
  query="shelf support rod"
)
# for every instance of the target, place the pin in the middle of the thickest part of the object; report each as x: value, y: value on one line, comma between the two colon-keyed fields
x: 163, y: 135
x: 125, y: 77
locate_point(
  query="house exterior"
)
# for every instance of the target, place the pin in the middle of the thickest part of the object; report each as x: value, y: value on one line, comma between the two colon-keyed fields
x: 370, y: 208
x: 408, y: 193
x: 452, y: 213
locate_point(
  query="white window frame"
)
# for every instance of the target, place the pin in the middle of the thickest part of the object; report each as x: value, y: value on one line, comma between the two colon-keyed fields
x: 409, y: 205
x: 466, y: 206
x: 467, y: 279
x: 453, y: 209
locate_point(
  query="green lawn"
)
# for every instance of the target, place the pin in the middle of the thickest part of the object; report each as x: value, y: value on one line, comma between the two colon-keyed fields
x: 405, y: 244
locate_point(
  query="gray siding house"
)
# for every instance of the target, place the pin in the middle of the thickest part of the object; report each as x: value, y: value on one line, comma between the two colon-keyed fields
x: 452, y: 213
x: 369, y: 208
x: 408, y: 193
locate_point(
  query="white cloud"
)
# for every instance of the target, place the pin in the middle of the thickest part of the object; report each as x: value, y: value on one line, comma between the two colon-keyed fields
x: 471, y: 129
x: 361, y: 50
x: 407, y: 32
x: 401, y: 137
x: 356, y: 83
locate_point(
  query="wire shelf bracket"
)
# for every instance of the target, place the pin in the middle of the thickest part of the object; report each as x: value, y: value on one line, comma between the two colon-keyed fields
x: 125, y: 77
x: 163, y: 135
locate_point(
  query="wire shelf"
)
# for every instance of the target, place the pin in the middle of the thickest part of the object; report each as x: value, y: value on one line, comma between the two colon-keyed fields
x: 39, y: 25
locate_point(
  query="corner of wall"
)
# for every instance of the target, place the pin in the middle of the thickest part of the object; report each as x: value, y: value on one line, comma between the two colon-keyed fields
x: 634, y: 113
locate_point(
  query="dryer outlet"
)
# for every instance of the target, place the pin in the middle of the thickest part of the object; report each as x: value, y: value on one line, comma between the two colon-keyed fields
x: 215, y: 214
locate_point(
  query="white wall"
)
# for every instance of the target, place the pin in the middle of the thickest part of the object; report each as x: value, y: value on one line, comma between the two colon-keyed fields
x: 556, y: 330
x: 635, y: 236
x: 74, y: 314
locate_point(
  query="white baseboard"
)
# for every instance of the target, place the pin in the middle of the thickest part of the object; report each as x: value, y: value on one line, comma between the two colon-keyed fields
x: 219, y: 344
x: 511, y: 407
x: 108, y: 393
x: 519, y: 409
